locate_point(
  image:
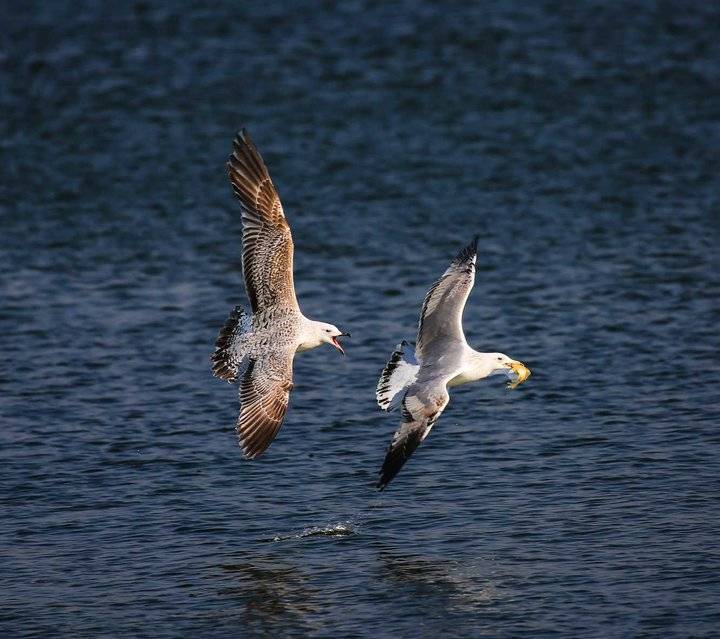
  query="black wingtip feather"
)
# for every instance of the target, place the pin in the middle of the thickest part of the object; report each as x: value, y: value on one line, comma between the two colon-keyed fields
x: 467, y: 253
x: 246, y: 153
x: 247, y: 172
x: 243, y: 136
x: 397, y: 456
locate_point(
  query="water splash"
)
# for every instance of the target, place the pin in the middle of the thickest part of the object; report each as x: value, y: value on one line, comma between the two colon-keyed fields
x: 346, y: 528
x: 340, y: 529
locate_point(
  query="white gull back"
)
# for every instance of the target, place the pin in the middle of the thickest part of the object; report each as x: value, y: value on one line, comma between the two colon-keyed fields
x: 265, y: 343
x: 442, y: 359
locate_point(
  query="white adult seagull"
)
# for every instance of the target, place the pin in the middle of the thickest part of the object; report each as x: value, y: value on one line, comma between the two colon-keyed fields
x: 267, y: 341
x: 442, y: 359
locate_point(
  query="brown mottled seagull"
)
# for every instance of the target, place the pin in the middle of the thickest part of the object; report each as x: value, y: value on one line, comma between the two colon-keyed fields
x: 442, y: 358
x: 265, y: 343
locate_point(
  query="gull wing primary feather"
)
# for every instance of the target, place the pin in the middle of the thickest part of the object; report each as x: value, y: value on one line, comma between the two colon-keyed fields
x: 442, y: 309
x: 267, y: 255
x: 267, y: 341
x: 444, y: 360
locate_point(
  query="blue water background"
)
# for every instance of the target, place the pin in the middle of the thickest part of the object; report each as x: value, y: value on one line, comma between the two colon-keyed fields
x: 581, y: 141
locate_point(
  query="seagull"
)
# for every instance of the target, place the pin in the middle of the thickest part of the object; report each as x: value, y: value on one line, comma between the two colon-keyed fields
x: 262, y: 347
x: 418, y: 381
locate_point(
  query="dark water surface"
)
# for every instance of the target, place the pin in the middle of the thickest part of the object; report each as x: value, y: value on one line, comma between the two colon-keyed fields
x: 580, y: 140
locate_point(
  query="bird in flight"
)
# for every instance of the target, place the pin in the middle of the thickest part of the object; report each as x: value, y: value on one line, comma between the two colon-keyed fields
x: 261, y: 348
x: 442, y: 358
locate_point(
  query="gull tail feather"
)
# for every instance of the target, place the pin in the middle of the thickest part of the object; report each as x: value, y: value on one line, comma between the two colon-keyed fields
x: 229, y: 346
x: 400, y: 371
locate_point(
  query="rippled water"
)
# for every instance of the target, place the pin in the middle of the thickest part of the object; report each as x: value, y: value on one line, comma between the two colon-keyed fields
x: 579, y: 140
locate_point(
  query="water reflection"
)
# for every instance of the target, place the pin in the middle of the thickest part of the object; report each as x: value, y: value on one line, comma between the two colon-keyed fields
x: 271, y: 595
x: 464, y: 587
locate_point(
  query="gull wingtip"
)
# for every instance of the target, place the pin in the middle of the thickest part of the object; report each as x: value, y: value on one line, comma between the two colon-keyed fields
x: 468, y: 252
x: 242, y: 137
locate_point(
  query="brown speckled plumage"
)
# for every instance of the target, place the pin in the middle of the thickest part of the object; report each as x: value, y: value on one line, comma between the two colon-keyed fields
x: 269, y: 340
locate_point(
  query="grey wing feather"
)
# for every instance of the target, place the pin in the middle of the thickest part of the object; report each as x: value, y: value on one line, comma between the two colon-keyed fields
x: 442, y: 309
x: 267, y: 240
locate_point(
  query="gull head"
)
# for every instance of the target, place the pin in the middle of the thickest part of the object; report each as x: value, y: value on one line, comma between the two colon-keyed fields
x: 516, y: 371
x: 329, y: 333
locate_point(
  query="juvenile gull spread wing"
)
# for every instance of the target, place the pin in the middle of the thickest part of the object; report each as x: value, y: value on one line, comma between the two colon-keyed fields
x: 442, y: 310
x: 264, y: 395
x: 267, y: 241
x: 267, y: 341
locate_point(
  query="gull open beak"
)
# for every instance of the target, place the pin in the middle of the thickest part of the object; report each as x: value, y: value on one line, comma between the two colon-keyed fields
x: 519, y: 374
x: 336, y: 342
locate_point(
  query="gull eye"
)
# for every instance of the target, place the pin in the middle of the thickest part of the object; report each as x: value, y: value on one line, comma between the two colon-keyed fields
x: 499, y: 359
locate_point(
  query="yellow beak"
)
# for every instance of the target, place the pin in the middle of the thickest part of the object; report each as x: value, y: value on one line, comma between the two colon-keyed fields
x: 522, y: 372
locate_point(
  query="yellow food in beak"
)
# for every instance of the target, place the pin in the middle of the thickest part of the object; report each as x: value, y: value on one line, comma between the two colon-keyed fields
x: 521, y: 371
